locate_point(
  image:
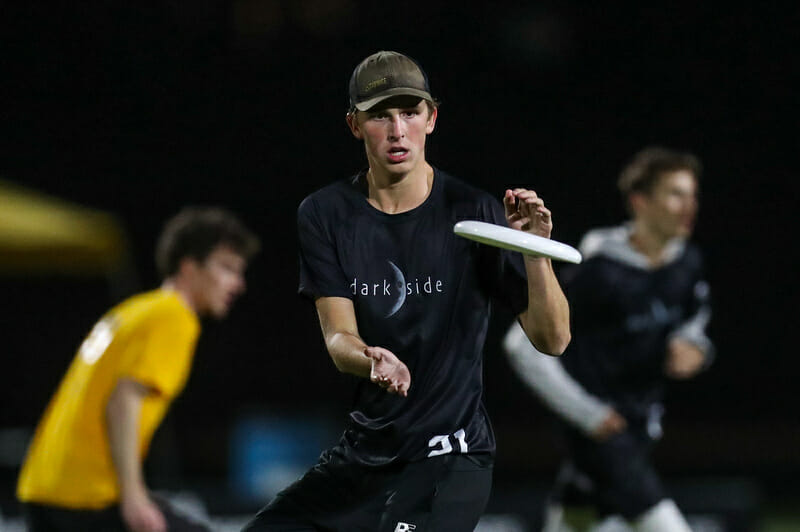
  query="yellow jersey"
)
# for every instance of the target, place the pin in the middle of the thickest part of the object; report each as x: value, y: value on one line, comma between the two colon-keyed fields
x: 149, y: 338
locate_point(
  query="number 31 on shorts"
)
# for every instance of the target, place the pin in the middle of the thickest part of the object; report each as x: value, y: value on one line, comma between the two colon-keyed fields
x: 444, y: 445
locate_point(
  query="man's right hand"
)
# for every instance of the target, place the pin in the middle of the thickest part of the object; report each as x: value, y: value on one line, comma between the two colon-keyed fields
x: 388, y: 371
x: 613, y: 424
x: 141, y: 514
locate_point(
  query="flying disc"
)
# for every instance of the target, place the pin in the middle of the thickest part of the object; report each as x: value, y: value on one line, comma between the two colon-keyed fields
x: 507, y: 238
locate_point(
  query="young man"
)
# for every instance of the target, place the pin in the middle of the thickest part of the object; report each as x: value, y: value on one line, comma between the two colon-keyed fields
x: 83, y: 471
x: 640, y: 307
x: 404, y: 304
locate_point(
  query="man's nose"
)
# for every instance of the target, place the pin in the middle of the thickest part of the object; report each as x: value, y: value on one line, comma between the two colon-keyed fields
x: 396, y: 128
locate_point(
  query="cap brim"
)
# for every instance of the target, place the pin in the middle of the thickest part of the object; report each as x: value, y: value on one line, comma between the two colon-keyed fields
x: 366, y: 105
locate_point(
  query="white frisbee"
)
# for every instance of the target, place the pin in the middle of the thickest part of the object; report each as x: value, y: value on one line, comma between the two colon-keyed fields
x: 507, y: 238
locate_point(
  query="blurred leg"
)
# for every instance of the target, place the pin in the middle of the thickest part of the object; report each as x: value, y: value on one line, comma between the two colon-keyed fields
x: 663, y: 517
x: 177, y: 522
x: 624, y: 481
x: 612, y: 523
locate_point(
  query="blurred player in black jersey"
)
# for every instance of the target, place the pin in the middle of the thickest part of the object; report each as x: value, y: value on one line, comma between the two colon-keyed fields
x: 404, y: 304
x: 640, y: 306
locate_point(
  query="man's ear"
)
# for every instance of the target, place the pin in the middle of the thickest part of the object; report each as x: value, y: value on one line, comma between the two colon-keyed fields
x: 188, y: 266
x: 637, y: 201
x: 432, y: 121
x: 355, y: 128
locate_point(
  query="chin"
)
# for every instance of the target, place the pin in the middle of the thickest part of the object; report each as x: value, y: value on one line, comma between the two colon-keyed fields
x: 402, y: 167
x: 397, y: 172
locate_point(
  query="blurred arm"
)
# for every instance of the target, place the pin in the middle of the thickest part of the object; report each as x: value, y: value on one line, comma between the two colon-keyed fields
x: 122, y: 414
x: 558, y: 390
x: 689, y: 349
x: 693, y: 331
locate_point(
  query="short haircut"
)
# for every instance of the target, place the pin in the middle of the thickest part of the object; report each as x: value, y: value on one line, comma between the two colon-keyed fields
x: 643, y: 171
x: 196, y: 231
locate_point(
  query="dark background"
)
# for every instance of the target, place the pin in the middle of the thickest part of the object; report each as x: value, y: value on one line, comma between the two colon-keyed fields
x: 142, y: 109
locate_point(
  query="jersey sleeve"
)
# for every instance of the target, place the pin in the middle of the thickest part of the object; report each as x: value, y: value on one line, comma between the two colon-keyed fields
x: 503, y: 271
x: 590, y: 294
x: 157, y: 357
x: 321, y: 273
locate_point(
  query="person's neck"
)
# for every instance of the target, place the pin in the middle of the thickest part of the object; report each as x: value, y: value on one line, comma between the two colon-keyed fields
x: 183, y: 293
x: 394, y: 194
x: 648, y: 242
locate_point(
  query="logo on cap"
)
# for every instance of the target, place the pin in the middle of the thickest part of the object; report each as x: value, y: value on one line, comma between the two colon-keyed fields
x: 371, y: 85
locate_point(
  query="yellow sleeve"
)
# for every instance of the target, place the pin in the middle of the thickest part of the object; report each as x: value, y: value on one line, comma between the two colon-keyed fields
x: 159, y: 356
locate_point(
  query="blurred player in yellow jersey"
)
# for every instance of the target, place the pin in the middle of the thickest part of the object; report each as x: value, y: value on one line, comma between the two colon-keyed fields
x: 83, y: 471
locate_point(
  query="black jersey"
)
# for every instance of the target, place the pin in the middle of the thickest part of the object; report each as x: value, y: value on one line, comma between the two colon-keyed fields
x: 623, y: 313
x: 423, y: 293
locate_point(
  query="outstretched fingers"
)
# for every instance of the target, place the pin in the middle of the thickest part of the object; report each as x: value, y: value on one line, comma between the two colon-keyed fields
x: 375, y: 356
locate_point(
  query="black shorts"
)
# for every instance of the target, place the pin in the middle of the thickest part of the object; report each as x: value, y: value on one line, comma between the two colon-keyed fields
x: 616, y: 475
x: 441, y: 494
x: 46, y: 518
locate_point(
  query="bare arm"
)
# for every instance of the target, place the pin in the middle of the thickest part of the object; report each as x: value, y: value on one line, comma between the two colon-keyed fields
x: 546, y: 320
x: 351, y: 354
x: 122, y: 414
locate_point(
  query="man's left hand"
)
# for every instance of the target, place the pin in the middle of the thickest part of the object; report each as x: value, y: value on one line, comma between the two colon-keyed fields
x: 684, y: 359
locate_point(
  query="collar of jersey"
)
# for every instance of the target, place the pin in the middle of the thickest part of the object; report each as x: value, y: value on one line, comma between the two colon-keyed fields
x: 401, y: 216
